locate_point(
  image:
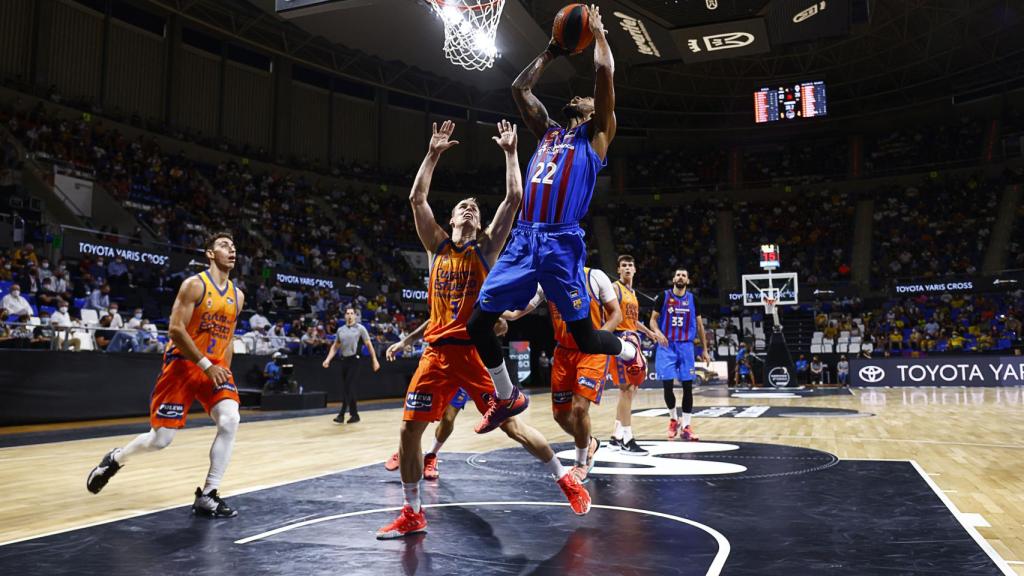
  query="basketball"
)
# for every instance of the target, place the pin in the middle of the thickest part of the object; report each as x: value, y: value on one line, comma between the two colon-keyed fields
x: 571, y: 29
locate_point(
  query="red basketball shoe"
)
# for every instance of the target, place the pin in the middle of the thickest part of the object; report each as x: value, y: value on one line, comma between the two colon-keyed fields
x: 636, y: 369
x: 392, y: 464
x: 430, y: 467
x: 579, y: 498
x: 673, y: 429
x: 501, y: 410
x: 408, y: 522
x: 689, y: 435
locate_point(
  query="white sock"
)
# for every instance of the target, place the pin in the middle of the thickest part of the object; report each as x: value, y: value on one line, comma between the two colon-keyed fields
x: 581, y: 455
x: 679, y: 412
x: 627, y: 433
x: 412, y: 495
x: 502, y: 382
x: 686, y: 419
x: 555, y: 468
x: 618, y: 430
x: 225, y: 415
x: 155, y: 439
x: 628, y: 351
x: 437, y: 447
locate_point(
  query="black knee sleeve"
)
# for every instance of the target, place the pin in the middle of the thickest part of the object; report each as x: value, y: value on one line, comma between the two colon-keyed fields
x: 688, y: 396
x: 590, y: 340
x: 670, y: 395
x: 481, y: 332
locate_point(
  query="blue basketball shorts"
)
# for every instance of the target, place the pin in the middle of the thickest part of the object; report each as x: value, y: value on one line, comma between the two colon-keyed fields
x: 459, y: 401
x: 552, y: 255
x: 674, y: 361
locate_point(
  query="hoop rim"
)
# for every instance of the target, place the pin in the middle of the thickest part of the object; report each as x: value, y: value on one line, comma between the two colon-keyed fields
x: 462, y: 6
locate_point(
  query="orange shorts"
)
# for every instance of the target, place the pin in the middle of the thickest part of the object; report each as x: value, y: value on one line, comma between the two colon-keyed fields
x: 441, y: 372
x: 573, y: 372
x: 180, y: 383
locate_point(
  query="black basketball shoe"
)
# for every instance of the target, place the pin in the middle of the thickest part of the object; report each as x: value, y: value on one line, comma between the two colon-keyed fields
x: 211, y: 505
x: 633, y: 449
x: 100, y: 475
x: 615, y: 443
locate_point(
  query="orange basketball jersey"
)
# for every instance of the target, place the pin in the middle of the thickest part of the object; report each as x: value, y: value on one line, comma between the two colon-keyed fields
x: 456, y: 275
x: 213, y: 319
x: 562, y: 335
x: 630, y: 308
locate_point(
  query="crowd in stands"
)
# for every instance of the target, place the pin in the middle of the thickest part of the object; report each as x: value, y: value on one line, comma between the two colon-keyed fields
x: 814, y: 231
x: 798, y: 161
x: 939, y: 227
x: 947, y: 323
x: 662, y: 239
x: 79, y: 305
x: 675, y: 169
x: 925, y: 143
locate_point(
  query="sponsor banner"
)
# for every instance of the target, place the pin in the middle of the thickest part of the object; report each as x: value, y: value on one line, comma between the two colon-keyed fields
x: 414, y: 294
x: 519, y: 352
x: 302, y: 280
x: 938, y: 371
x: 719, y: 41
x: 801, y: 20
x: 635, y: 38
x: 935, y: 286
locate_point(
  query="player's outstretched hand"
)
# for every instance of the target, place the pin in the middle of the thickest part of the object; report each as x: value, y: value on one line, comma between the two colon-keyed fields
x: 392, y: 352
x: 595, y: 23
x: 555, y: 50
x: 507, y: 136
x: 661, y: 340
x: 218, y: 374
x: 439, y: 140
x: 705, y: 357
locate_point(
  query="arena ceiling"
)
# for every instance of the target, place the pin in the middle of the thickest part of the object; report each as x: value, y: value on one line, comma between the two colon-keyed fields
x: 905, y: 52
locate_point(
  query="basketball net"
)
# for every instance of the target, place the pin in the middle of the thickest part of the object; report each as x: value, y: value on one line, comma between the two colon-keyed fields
x: 469, y: 30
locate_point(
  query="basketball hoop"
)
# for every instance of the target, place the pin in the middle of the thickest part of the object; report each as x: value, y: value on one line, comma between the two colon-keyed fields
x: 769, y: 305
x: 469, y: 30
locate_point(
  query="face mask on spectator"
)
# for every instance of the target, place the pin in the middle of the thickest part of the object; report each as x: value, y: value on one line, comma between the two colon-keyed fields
x: 15, y: 293
x: 138, y: 315
x: 63, y: 309
x: 112, y: 311
x: 45, y: 265
x: 44, y: 320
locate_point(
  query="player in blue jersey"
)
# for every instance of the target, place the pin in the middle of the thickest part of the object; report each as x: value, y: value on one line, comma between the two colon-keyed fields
x: 675, y: 322
x: 547, y: 244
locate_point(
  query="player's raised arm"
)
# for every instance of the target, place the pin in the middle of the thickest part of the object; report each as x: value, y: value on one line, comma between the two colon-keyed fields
x: 604, y: 86
x: 534, y: 114
x: 497, y: 232
x: 192, y: 290
x: 431, y: 234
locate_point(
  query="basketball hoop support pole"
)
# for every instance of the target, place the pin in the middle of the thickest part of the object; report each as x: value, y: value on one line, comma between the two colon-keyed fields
x: 774, y: 307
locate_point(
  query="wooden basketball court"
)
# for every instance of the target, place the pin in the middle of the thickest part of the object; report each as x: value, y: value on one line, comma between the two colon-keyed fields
x: 963, y: 442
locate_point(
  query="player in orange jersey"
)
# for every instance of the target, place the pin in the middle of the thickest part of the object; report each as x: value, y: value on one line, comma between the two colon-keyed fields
x: 458, y: 265
x: 628, y: 382
x: 577, y: 379
x: 196, y: 366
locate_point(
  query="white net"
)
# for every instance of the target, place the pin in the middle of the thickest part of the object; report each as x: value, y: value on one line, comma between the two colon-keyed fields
x: 469, y: 30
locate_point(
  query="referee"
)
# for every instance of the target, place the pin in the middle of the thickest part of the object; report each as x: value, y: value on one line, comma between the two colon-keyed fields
x: 347, y: 341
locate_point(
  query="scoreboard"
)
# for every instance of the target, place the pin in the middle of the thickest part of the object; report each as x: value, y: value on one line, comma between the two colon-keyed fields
x: 805, y: 100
